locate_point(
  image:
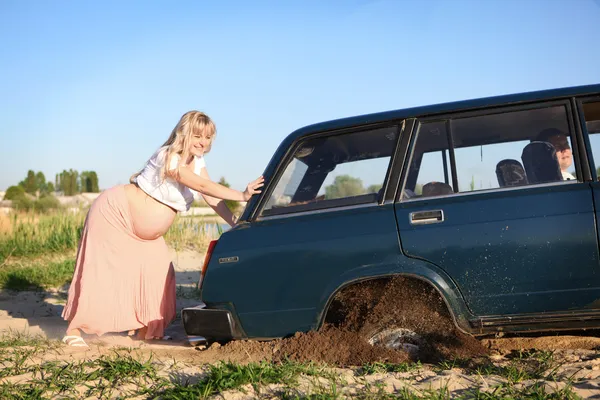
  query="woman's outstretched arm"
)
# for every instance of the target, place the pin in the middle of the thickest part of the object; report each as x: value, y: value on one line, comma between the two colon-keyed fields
x: 186, y: 176
x: 218, y: 204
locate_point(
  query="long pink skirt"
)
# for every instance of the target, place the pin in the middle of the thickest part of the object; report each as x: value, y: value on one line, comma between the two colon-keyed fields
x: 121, y: 282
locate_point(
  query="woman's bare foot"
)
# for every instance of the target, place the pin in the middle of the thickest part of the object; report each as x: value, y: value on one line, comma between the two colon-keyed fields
x: 73, y: 332
x: 141, y: 333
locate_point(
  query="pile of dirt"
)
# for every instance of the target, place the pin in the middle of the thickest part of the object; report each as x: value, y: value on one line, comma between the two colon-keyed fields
x: 336, y: 347
x: 329, y: 345
x: 356, y: 314
x: 400, y: 302
x: 577, y: 340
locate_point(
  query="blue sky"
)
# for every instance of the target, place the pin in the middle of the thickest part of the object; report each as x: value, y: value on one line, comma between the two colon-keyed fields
x: 99, y: 85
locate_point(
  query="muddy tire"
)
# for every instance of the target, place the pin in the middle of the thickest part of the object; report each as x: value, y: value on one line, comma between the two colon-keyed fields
x: 398, y: 313
x: 398, y: 339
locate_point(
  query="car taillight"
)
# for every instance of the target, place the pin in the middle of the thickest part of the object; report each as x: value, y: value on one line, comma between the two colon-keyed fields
x: 211, y: 247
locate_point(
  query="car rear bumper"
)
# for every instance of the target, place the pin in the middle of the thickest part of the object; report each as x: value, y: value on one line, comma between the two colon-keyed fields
x: 213, y: 324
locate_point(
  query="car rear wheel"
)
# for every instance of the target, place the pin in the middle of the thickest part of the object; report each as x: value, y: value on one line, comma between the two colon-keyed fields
x: 398, y: 313
x: 398, y: 339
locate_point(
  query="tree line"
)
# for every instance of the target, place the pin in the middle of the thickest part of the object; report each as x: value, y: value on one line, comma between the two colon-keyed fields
x: 72, y: 182
x: 69, y: 182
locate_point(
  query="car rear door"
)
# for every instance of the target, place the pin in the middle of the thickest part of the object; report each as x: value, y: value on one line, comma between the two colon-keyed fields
x: 491, y: 209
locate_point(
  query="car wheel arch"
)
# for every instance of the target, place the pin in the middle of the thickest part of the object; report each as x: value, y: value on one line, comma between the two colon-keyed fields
x: 445, y: 288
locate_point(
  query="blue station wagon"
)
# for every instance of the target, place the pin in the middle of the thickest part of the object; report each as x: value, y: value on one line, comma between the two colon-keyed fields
x: 492, y: 203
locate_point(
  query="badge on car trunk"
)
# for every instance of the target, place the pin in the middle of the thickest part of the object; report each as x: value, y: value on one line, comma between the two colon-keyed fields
x: 226, y: 260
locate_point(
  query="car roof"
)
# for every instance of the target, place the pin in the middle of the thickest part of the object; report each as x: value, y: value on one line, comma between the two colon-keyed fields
x: 463, y: 105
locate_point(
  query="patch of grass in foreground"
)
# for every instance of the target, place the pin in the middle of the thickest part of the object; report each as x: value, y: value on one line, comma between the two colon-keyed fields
x: 535, y: 391
x: 529, y: 365
x: 226, y: 376
x: 523, y: 365
x: 382, y: 368
x: 99, y: 378
x: 20, y: 339
x: 36, y: 276
x: 11, y: 391
x: 122, y: 375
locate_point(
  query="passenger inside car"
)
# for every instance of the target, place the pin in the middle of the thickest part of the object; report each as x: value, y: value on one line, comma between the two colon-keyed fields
x: 541, y: 163
x: 563, y: 150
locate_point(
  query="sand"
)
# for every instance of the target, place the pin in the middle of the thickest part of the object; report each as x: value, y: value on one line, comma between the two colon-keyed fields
x: 575, y: 356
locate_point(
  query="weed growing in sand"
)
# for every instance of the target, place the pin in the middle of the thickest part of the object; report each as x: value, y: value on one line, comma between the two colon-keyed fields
x: 15, y: 362
x: 382, y: 368
x: 11, y: 391
x: 226, y: 376
x: 20, y: 339
x: 113, y: 371
x: 121, y: 374
x: 98, y: 378
x: 327, y: 390
x: 537, y: 391
x: 456, y: 362
x: 407, y: 394
x: 522, y: 366
x: 17, y: 350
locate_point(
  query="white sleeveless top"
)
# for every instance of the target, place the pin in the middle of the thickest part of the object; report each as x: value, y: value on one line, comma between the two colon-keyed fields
x: 167, y: 191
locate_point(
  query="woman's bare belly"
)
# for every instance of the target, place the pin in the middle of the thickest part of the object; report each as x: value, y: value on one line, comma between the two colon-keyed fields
x: 151, y: 218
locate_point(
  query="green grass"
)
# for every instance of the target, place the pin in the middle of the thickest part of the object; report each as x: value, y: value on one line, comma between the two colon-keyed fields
x: 18, y: 339
x: 99, y: 378
x: 37, y: 276
x: 124, y: 374
x: 192, y: 233
x: 535, y: 391
x: 31, y: 235
x: 382, y: 368
x: 37, y: 251
x: 523, y: 365
x: 36, y: 234
x: 226, y: 376
x: 11, y: 391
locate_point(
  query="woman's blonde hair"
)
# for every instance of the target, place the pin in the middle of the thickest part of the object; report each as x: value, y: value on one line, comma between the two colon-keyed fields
x: 190, y: 124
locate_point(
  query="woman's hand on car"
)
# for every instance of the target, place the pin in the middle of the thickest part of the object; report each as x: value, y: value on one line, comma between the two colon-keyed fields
x: 253, y: 187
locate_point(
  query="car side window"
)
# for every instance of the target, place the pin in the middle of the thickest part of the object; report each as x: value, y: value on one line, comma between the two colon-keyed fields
x: 333, y: 171
x: 591, y: 112
x: 491, y: 151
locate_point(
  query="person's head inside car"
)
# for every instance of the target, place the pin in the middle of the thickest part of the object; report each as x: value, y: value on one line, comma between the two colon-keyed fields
x: 559, y: 140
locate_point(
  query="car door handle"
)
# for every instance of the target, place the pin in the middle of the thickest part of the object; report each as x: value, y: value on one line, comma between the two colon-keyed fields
x: 427, y: 217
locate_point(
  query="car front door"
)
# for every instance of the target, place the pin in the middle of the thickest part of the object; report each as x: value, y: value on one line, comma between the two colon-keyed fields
x: 323, y: 216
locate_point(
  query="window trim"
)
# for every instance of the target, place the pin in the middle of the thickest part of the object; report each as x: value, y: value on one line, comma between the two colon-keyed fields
x: 392, y: 183
x: 447, y: 117
x: 487, y: 191
x: 578, y: 103
x: 317, y: 211
x: 286, y: 159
